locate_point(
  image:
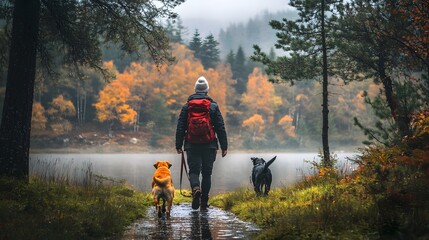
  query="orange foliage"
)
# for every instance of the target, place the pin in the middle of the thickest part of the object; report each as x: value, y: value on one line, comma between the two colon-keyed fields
x: 420, y: 123
x: 417, y: 40
x: 142, y: 83
x: 175, y: 83
x: 255, y: 123
x: 38, y: 119
x: 260, y: 95
x: 359, y: 101
x: 301, y: 97
x: 113, y: 104
x: 286, y: 123
x: 61, y: 108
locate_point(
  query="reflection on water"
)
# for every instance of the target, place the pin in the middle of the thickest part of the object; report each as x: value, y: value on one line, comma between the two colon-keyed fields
x: 186, y: 223
x: 229, y: 173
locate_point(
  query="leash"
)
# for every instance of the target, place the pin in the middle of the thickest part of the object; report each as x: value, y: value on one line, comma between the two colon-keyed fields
x: 183, y: 166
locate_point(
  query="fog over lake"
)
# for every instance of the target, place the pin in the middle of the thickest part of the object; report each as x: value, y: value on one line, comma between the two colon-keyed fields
x: 229, y: 173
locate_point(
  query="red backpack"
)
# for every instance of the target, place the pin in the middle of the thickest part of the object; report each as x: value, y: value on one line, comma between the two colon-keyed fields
x: 200, y: 128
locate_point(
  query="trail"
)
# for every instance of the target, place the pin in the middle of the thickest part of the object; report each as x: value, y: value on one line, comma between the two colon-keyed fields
x: 186, y: 223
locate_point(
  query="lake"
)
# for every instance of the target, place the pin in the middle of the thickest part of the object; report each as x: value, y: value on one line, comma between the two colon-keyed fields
x: 229, y: 173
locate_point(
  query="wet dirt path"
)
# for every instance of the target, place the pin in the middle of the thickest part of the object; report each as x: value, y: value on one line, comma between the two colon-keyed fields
x: 186, y: 223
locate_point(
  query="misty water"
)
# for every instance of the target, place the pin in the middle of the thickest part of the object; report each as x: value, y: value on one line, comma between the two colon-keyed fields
x: 229, y: 173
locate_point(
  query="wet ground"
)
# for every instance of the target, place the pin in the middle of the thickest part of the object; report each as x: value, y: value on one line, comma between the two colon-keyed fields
x: 186, y: 223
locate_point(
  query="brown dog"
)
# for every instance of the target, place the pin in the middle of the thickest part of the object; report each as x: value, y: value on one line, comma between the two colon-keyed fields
x: 162, y: 188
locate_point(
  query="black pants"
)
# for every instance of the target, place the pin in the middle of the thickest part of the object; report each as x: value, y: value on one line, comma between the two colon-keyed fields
x: 200, y: 160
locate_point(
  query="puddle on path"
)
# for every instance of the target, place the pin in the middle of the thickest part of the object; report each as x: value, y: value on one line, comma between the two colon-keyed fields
x: 186, y: 223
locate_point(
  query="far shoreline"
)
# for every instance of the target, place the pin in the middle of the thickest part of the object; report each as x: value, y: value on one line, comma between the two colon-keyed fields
x: 148, y: 150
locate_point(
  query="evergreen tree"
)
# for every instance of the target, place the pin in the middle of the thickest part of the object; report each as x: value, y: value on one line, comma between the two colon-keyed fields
x: 372, y: 44
x: 305, y: 39
x: 239, y: 71
x: 174, y: 29
x: 230, y: 59
x: 210, y: 52
x: 196, y: 44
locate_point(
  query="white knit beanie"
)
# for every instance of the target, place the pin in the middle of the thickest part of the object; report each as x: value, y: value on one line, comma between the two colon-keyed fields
x: 201, y: 85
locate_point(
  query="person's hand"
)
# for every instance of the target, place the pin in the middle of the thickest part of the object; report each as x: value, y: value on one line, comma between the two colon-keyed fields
x: 179, y: 151
x: 224, y: 152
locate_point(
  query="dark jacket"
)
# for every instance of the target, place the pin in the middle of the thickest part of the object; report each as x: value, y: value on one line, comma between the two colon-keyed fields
x: 217, y: 121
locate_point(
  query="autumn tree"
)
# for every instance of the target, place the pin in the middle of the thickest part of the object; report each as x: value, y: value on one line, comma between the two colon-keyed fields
x: 286, y: 122
x: 113, y: 105
x: 59, y: 111
x: 76, y: 29
x: 260, y: 97
x: 256, y: 126
x: 38, y: 118
x: 171, y: 84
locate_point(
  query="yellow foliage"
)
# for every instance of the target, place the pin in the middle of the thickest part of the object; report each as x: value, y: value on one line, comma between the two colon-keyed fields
x: 359, y: 101
x: 38, y: 119
x: 61, y: 108
x: 174, y: 83
x: 285, y: 120
x: 256, y: 123
x: 286, y: 123
x: 301, y: 97
x: 260, y: 95
x: 113, y: 104
x: 420, y: 122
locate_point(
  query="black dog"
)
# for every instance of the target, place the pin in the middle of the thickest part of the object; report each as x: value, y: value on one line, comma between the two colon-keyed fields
x: 261, y: 175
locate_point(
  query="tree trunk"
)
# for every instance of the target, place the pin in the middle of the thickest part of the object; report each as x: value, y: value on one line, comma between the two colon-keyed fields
x: 16, y: 117
x: 325, y: 111
x: 402, y: 120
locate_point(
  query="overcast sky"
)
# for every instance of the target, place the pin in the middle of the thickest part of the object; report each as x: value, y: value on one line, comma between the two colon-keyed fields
x: 208, y: 16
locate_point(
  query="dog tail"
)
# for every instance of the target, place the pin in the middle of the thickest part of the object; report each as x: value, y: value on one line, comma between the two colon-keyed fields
x: 269, y: 163
x: 162, y: 182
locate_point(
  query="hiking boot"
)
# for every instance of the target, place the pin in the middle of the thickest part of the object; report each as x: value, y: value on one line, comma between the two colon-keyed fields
x: 196, y: 194
x: 204, y: 203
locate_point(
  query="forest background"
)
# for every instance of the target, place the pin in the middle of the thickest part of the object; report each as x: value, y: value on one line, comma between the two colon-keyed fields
x: 138, y: 109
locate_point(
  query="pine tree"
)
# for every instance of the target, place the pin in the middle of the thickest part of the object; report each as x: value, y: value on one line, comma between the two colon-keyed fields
x: 306, y: 41
x: 210, y: 52
x: 373, y: 44
x: 174, y: 29
x: 196, y: 44
x: 239, y: 71
x: 230, y: 59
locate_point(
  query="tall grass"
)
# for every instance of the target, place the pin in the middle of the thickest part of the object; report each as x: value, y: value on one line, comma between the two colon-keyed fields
x: 61, y: 202
x: 324, y: 205
x: 386, y: 196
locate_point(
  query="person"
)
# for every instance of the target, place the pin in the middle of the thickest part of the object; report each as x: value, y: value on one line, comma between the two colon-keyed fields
x: 201, y: 156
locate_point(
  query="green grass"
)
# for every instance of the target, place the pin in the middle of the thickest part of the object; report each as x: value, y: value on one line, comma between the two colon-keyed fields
x: 50, y: 210
x: 322, y: 208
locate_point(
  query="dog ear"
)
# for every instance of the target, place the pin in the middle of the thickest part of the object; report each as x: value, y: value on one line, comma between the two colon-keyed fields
x: 169, y: 164
x: 274, y: 158
x: 156, y: 165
